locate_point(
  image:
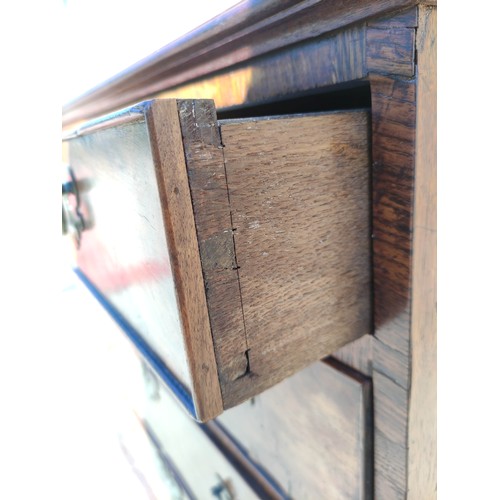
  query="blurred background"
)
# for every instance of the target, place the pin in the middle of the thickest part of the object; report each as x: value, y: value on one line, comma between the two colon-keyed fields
x: 67, y: 378
x: 106, y: 36
x: 110, y: 455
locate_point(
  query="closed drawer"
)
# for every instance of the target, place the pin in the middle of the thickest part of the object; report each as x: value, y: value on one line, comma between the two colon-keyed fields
x: 312, y: 433
x: 200, y: 468
x: 234, y: 253
x: 308, y: 437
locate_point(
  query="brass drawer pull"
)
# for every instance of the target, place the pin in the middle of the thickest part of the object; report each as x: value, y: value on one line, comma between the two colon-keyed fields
x: 72, y: 219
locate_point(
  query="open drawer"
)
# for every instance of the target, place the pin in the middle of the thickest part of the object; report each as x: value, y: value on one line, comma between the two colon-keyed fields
x: 233, y: 253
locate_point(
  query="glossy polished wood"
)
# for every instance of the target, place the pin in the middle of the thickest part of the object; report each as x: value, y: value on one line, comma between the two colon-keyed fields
x: 167, y: 144
x: 140, y: 248
x: 124, y: 248
x: 250, y: 30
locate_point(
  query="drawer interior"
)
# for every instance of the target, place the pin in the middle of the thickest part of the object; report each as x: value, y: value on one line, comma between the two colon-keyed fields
x: 354, y: 95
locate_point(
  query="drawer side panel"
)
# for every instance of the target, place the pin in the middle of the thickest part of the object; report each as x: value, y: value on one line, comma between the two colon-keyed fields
x: 300, y: 205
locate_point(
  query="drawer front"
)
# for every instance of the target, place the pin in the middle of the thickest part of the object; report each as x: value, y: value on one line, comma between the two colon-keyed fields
x: 309, y: 437
x: 123, y: 249
x: 139, y: 252
x: 192, y: 456
x: 312, y: 433
x: 234, y: 253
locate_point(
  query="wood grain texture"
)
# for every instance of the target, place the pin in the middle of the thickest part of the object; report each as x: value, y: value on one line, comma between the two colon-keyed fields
x: 400, y: 148
x: 390, y: 469
x: 243, y: 33
x: 390, y: 51
x: 124, y: 249
x: 254, y: 232
x: 390, y: 44
x: 393, y: 139
x: 405, y: 19
x: 422, y: 442
x: 400, y: 471
x: 390, y: 416
x: 334, y: 59
x: 391, y: 363
x: 393, y: 154
x: 390, y: 409
x: 311, y: 433
x: 208, y: 186
x: 393, y: 143
x: 173, y: 185
x: 301, y: 217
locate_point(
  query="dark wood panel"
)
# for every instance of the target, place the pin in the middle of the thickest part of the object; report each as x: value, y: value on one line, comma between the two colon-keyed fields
x: 167, y: 146
x: 390, y: 51
x: 401, y: 464
x: 262, y: 483
x: 139, y: 248
x: 124, y: 248
x: 393, y: 150
x: 311, y: 433
x: 250, y: 253
x: 392, y: 99
x: 208, y: 184
x: 391, y: 45
x: 335, y: 59
x: 261, y: 252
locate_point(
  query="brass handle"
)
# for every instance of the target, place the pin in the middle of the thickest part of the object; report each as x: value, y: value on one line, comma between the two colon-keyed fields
x: 223, y: 489
x: 73, y: 222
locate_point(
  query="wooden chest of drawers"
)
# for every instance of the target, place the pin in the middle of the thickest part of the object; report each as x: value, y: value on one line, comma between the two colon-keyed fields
x: 369, y: 425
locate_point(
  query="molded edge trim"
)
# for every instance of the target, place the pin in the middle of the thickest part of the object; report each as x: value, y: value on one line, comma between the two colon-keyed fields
x: 149, y: 355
